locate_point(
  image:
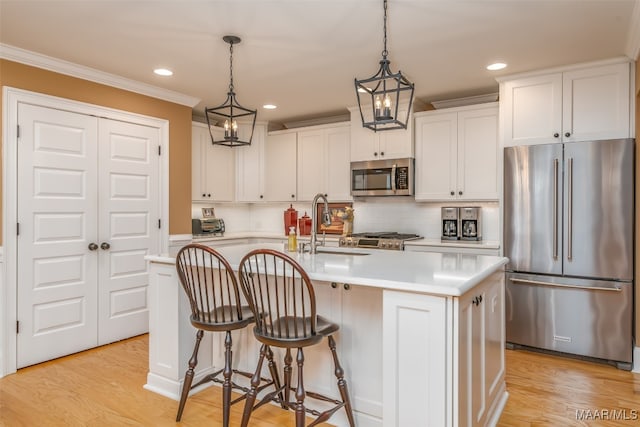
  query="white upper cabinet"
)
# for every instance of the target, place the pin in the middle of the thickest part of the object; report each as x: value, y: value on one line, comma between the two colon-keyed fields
x: 578, y: 104
x: 280, y: 167
x: 369, y: 145
x: 250, y: 163
x: 457, y: 153
x: 212, y: 167
x: 323, y: 162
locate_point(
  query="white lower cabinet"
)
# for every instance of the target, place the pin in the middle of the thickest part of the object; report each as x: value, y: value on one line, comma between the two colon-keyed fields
x: 449, y: 349
x: 481, y: 365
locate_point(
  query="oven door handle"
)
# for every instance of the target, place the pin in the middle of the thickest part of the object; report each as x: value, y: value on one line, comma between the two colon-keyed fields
x: 393, y: 177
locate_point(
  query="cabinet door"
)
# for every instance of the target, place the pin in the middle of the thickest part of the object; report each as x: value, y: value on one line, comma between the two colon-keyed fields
x: 212, y: 167
x: 472, y: 399
x: 494, y: 336
x: 362, y: 352
x: 280, y: 167
x: 338, y: 167
x: 532, y: 110
x: 250, y: 165
x: 364, y: 142
x: 436, y: 156
x: 477, y: 167
x: 396, y: 144
x: 312, y: 161
x: 596, y: 103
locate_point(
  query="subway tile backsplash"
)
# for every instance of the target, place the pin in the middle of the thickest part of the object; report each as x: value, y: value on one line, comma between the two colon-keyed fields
x: 379, y: 214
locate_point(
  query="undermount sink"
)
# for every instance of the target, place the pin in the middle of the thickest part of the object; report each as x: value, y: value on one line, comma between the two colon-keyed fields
x: 332, y: 252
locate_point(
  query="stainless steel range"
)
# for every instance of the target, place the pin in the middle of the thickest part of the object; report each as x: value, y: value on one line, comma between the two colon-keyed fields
x: 382, y: 240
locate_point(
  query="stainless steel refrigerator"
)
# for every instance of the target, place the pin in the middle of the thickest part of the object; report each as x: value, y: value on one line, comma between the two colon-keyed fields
x: 569, y: 237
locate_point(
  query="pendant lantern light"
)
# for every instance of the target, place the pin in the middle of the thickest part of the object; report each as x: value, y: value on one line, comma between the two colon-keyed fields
x: 230, y: 111
x: 383, y: 93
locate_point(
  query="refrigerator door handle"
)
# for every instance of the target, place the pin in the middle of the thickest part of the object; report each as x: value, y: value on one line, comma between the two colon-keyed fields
x: 558, y: 285
x: 555, y: 209
x: 570, y: 210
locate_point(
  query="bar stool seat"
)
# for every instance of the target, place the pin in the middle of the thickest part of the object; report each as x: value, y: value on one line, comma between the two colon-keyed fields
x: 216, y: 306
x: 282, y: 299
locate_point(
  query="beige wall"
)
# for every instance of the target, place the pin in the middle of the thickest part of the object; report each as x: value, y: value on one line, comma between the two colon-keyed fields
x: 38, y: 80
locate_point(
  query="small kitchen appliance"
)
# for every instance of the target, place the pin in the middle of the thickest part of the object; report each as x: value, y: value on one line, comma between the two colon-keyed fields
x: 470, y: 225
x: 382, y: 177
x: 381, y: 240
x: 207, y: 226
x: 450, y: 223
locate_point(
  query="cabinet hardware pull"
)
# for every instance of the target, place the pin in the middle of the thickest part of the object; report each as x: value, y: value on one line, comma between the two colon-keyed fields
x: 453, y: 193
x: 375, y: 153
x: 293, y: 195
x: 93, y: 246
x: 334, y: 285
x: 567, y: 134
x: 556, y: 135
x: 104, y: 246
x: 382, y: 153
x: 261, y: 196
x: 460, y: 193
x: 347, y: 286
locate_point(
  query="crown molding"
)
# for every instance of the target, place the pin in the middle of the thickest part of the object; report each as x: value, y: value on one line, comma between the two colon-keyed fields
x: 26, y: 57
x: 633, y: 36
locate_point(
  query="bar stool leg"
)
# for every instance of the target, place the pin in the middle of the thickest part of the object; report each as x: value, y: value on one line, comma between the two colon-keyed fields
x: 255, y: 382
x: 188, y: 377
x: 274, y: 376
x: 342, y: 384
x: 300, y: 393
x: 287, y: 375
x: 226, y: 385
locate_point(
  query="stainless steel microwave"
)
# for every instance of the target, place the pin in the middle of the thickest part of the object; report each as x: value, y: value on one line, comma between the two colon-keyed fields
x: 382, y: 178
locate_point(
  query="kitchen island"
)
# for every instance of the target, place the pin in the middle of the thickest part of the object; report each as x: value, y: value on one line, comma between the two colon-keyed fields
x: 421, y: 335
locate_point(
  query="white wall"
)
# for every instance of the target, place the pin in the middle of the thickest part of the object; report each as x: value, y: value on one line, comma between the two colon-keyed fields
x: 371, y: 214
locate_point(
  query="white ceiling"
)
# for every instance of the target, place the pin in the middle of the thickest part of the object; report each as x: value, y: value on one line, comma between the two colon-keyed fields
x: 303, y: 55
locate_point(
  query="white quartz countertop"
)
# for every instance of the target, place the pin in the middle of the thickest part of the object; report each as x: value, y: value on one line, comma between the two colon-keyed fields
x: 448, y: 274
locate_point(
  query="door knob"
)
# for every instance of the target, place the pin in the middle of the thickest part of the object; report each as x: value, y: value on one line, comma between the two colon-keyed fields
x: 105, y: 246
x: 93, y: 246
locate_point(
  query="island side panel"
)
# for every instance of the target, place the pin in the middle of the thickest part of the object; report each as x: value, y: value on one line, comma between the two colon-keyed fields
x: 415, y: 360
x: 171, y: 336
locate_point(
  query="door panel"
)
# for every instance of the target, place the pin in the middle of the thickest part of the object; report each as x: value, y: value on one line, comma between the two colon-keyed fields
x: 598, y: 212
x: 57, y: 207
x: 532, y: 189
x: 128, y: 223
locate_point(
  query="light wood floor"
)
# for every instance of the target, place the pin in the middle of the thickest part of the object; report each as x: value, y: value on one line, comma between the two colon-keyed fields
x: 103, y: 387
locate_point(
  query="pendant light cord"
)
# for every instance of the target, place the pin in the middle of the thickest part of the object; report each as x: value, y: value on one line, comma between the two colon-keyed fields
x: 385, y: 52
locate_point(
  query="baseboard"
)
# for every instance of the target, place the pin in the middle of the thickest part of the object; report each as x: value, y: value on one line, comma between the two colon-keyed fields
x: 636, y: 360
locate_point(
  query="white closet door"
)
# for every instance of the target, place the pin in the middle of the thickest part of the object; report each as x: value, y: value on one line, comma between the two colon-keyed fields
x: 128, y: 224
x: 57, y: 208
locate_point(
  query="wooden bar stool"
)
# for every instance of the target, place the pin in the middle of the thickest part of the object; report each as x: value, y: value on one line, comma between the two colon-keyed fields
x: 216, y: 306
x: 281, y: 297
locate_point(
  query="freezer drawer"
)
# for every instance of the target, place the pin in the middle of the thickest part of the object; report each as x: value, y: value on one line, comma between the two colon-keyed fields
x: 578, y: 316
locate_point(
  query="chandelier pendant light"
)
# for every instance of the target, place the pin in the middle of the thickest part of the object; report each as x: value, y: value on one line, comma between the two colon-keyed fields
x: 383, y: 93
x: 228, y: 114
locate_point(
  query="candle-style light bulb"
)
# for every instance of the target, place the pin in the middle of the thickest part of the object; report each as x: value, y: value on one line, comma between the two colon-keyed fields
x: 226, y: 128
x: 234, y: 129
x: 387, y: 106
x: 378, y: 106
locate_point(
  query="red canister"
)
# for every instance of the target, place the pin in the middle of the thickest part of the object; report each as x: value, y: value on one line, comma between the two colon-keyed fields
x: 290, y: 219
x: 304, y: 224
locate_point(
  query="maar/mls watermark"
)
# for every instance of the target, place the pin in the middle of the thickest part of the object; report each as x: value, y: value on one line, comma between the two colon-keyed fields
x: 607, y: 414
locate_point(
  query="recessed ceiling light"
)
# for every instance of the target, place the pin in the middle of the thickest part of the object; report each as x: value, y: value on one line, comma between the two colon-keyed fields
x: 163, y: 72
x: 496, y: 66
x: 269, y: 107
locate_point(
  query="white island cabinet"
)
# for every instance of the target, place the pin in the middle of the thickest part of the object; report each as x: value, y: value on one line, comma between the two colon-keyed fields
x: 421, y: 335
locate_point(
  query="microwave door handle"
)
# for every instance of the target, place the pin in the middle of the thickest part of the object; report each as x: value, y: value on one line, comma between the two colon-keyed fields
x: 393, y: 178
